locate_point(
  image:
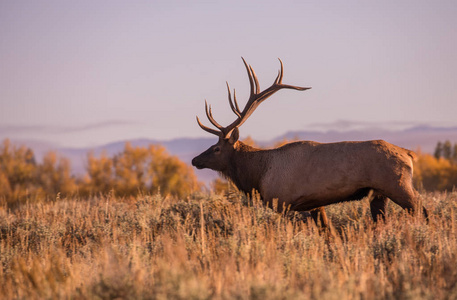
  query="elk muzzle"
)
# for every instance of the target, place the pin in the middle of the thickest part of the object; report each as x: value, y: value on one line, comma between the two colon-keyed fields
x: 196, y: 162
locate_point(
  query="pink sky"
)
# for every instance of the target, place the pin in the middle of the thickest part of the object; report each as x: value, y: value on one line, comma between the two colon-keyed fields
x: 81, y: 73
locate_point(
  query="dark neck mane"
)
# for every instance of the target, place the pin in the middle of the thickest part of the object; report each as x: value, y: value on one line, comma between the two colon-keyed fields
x: 246, y: 167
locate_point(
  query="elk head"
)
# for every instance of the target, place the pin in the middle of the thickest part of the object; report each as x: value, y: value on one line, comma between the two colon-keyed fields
x: 218, y: 156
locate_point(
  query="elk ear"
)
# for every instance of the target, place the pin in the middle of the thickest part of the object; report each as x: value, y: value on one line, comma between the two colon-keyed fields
x: 234, y: 136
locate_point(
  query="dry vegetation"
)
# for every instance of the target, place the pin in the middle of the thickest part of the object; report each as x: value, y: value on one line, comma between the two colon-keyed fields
x: 223, y: 247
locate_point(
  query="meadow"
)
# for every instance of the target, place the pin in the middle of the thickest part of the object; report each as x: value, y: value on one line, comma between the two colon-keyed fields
x: 208, y: 246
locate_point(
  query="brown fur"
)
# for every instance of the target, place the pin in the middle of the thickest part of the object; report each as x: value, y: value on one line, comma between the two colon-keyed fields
x: 308, y: 175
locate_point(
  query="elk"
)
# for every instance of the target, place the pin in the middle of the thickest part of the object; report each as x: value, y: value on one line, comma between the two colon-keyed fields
x: 307, y: 175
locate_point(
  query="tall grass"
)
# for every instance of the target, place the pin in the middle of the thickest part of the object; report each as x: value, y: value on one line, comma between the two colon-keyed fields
x: 210, y: 246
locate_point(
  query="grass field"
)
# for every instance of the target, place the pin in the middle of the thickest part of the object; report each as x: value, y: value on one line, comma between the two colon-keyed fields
x: 223, y: 247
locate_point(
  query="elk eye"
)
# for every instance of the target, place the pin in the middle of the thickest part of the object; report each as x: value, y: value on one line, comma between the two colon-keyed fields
x: 217, y: 149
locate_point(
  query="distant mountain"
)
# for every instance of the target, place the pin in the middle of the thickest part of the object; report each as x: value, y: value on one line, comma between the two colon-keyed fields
x: 414, y: 138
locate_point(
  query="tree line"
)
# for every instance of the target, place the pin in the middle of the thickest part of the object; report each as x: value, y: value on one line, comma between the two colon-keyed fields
x: 151, y: 169
x: 446, y: 150
x: 437, y: 172
x: 134, y: 170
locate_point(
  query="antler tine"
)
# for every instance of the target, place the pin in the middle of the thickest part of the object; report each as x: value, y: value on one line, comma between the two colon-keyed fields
x: 234, y: 109
x: 256, y: 97
x: 236, y: 103
x: 207, y: 129
x: 256, y: 81
x: 251, y: 81
x: 280, y: 73
x: 209, y: 114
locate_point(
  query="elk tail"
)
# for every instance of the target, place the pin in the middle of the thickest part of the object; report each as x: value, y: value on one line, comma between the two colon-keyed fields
x: 412, y: 154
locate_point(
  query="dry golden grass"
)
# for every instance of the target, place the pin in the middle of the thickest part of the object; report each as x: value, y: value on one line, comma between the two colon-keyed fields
x: 210, y: 246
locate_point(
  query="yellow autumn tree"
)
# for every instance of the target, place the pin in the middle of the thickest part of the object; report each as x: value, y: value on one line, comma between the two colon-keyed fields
x: 140, y: 169
x: 99, y: 177
x: 169, y: 174
x: 17, y: 172
x: 5, y: 188
x: 435, y: 174
x: 130, y: 170
x: 54, y: 176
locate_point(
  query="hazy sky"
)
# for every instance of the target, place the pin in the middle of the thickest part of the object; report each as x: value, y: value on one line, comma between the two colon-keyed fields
x: 82, y: 73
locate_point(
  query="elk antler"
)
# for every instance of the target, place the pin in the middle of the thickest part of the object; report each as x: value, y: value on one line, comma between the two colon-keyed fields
x: 256, y: 97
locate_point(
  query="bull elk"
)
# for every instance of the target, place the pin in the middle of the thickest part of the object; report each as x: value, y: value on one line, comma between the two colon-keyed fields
x: 306, y: 175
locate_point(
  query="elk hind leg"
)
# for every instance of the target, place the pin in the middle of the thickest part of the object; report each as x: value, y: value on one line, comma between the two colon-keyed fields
x: 378, y: 207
